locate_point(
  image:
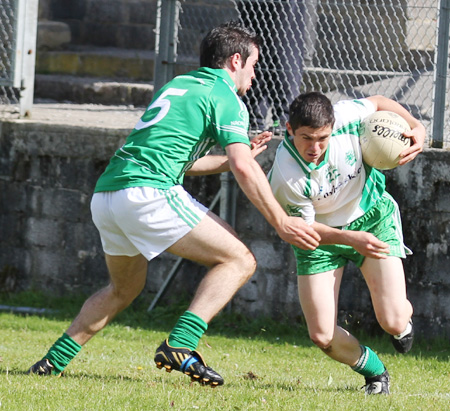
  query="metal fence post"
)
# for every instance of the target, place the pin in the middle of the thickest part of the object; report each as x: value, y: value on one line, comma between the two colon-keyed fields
x: 25, y: 58
x: 440, y: 74
x: 228, y: 198
x: 167, y: 20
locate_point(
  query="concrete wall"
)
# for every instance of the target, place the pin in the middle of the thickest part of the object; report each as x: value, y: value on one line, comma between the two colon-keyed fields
x: 48, y: 242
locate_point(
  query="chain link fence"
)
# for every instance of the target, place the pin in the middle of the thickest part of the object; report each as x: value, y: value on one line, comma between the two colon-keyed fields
x: 18, y: 26
x: 345, y: 49
x: 9, y: 95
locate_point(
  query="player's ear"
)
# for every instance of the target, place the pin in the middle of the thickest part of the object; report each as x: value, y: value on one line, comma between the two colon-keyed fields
x: 289, y: 128
x: 236, y: 61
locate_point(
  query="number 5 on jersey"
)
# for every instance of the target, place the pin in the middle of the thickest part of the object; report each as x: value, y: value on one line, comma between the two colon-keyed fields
x: 163, y: 103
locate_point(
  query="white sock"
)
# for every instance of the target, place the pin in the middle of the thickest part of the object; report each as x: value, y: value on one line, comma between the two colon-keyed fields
x: 406, y: 332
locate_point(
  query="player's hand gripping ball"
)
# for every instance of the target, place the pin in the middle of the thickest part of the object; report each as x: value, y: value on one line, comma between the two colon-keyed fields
x: 382, y: 140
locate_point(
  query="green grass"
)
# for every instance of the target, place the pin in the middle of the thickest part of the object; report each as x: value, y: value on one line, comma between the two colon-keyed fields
x: 266, y: 365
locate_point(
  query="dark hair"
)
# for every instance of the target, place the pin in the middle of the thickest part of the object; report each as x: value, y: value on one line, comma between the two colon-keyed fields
x: 225, y: 40
x: 312, y: 109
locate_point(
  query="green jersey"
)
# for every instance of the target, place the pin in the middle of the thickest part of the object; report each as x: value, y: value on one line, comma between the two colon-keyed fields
x: 186, y: 118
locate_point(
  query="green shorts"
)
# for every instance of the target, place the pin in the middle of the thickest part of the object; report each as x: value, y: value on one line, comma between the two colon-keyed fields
x: 383, y: 221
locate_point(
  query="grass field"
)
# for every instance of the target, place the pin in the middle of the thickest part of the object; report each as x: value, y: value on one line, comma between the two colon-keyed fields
x: 265, y: 364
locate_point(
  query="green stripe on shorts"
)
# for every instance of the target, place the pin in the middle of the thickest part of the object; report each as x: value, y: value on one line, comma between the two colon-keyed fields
x: 382, y: 220
x: 185, y: 213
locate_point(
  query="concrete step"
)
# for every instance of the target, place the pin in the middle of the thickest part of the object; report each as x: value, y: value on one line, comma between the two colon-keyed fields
x: 89, y: 61
x: 92, y: 90
x: 108, y: 62
x: 99, y: 75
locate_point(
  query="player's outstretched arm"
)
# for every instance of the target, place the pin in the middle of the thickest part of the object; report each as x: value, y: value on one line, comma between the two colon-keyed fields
x: 254, y: 184
x: 210, y: 164
x: 214, y: 164
x: 363, y: 242
x: 259, y: 143
x: 417, y: 133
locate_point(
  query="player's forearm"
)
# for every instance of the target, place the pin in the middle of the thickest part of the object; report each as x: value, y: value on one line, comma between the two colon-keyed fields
x: 387, y: 104
x: 211, y: 164
x: 254, y: 184
x: 330, y: 235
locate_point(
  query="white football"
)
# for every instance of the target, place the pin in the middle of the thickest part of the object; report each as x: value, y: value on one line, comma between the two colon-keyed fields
x: 382, y: 139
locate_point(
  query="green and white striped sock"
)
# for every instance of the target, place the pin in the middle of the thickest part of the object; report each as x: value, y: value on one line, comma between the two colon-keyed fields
x: 369, y: 365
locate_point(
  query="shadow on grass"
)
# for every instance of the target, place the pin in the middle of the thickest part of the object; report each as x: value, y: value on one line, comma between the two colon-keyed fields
x: 257, y: 384
x: 75, y: 375
x: 231, y: 325
x: 299, y: 387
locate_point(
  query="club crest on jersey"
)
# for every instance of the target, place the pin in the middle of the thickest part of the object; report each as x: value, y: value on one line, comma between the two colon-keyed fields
x: 244, y: 115
x: 294, y: 211
x: 350, y: 157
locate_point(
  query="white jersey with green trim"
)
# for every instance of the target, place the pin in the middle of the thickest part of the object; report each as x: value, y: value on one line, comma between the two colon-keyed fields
x: 338, y: 190
x: 187, y: 117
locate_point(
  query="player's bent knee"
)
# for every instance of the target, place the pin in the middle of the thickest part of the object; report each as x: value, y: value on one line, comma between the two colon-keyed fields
x: 124, y: 297
x: 247, y: 263
x: 394, y: 325
x: 395, y: 329
x: 323, y: 341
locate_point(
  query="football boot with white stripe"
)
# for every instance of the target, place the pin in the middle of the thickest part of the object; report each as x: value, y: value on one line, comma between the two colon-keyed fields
x: 188, y: 362
x: 403, y: 342
x: 378, y: 384
x: 42, y: 367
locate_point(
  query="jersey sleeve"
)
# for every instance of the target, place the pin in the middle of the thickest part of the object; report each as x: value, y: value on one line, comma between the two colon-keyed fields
x: 352, y: 111
x: 229, y: 116
x: 290, y: 193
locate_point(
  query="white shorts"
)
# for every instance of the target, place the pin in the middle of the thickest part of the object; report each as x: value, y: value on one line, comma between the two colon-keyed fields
x: 144, y: 220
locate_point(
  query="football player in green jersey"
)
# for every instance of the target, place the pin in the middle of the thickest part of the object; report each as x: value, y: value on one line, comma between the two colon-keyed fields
x: 319, y: 174
x: 141, y: 209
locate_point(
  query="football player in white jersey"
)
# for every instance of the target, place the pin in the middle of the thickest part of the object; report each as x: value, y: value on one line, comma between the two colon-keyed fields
x: 318, y: 174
